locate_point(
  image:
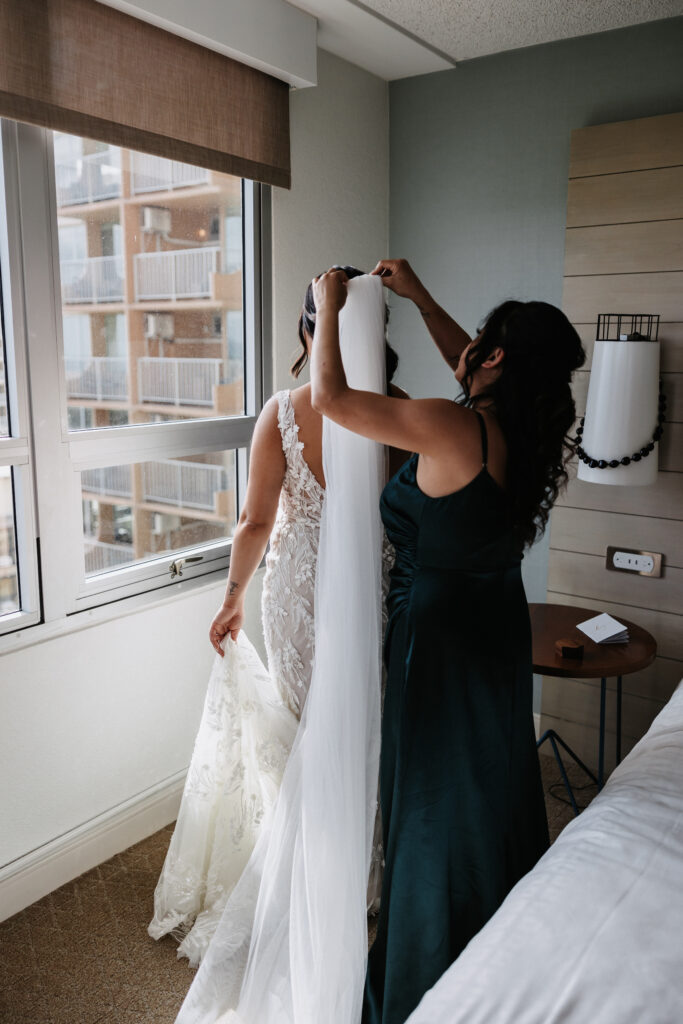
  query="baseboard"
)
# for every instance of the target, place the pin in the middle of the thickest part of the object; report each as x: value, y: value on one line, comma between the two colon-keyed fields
x: 60, y: 861
x: 537, y: 724
x: 42, y: 871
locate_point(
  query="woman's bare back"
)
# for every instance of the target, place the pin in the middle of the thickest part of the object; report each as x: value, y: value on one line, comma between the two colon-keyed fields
x: 311, y: 432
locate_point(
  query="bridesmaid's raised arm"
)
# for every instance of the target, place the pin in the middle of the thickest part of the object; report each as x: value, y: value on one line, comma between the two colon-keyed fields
x: 417, y: 425
x: 449, y: 337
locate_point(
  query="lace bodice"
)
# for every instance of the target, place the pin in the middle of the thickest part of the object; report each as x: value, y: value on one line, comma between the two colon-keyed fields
x: 301, y: 498
x: 289, y: 582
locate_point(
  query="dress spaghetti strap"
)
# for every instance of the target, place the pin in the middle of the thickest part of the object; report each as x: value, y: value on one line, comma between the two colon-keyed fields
x: 484, y: 439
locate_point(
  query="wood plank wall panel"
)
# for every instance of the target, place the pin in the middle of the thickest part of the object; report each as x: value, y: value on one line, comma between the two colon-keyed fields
x: 662, y: 500
x: 578, y: 572
x: 627, y: 146
x: 570, y: 702
x: 648, y: 246
x: 624, y: 253
x: 590, y: 531
x: 625, y: 198
x: 585, y: 297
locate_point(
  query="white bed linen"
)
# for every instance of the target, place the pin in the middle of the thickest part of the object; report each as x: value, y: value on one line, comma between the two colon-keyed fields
x: 594, y: 934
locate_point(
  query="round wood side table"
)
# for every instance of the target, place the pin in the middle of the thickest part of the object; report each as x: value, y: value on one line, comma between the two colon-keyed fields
x: 551, y: 622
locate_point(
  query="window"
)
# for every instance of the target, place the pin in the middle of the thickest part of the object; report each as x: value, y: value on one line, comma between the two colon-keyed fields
x: 9, y: 580
x: 141, y: 278
x: 19, y: 594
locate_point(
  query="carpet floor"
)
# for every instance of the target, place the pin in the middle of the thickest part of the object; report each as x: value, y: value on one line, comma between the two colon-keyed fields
x: 81, y: 955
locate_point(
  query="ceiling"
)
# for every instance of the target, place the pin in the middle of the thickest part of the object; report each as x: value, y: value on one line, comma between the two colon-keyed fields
x: 400, y: 38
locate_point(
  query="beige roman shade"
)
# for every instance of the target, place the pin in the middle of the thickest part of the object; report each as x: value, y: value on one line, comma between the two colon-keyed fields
x: 79, y: 66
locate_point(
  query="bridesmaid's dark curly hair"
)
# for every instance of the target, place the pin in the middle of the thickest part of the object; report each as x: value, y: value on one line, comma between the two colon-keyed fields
x: 307, y: 326
x: 533, y: 403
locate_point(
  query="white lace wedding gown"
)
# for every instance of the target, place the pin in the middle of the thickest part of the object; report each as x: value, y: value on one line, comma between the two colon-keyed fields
x: 248, y: 725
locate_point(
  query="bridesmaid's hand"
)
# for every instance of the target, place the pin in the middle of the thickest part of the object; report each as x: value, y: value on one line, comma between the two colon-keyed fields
x: 399, y: 276
x: 329, y: 290
x: 228, y: 619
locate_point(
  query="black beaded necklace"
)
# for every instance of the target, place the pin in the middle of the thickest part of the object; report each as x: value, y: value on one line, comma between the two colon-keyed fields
x: 594, y: 463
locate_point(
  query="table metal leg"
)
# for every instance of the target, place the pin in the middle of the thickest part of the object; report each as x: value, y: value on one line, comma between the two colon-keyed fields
x: 570, y: 791
x: 554, y: 739
x: 601, y: 752
x: 619, y: 720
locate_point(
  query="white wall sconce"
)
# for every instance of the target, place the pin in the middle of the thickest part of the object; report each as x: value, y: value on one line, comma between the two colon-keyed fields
x: 618, y: 438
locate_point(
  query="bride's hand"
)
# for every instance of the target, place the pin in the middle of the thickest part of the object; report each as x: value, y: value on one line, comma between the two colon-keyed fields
x: 329, y: 290
x: 228, y: 619
x: 399, y: 276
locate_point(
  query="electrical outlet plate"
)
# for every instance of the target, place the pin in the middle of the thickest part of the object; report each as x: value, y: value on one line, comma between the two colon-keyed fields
x: 642, y: 563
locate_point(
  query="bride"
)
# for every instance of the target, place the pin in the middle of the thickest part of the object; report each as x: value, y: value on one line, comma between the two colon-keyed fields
x: 250, y: 717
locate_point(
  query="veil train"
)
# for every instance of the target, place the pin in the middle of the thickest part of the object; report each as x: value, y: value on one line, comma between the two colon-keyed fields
x: 291, y: 946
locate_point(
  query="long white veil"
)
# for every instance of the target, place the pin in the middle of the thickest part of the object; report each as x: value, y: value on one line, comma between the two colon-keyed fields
x: 291, y: 946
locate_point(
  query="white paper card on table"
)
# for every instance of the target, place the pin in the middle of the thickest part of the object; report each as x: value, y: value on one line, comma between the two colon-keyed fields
x: 603, y: 629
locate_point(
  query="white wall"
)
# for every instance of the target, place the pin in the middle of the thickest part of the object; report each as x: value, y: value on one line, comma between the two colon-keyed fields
x: 99, y: 721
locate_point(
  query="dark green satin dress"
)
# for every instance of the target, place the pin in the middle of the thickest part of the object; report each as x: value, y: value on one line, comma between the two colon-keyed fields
x: 460, y: 786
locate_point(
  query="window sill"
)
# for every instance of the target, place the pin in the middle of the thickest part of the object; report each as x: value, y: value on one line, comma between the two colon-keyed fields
x: 115, y: 610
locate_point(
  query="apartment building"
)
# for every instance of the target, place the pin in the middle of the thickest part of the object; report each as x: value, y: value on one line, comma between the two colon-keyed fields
x: 150, y: 254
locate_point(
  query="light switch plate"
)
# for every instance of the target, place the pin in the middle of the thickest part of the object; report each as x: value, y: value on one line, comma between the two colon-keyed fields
x: 642, y: 563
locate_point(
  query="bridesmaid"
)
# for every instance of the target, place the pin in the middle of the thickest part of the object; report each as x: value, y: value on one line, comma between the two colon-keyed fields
x: 462, y: 803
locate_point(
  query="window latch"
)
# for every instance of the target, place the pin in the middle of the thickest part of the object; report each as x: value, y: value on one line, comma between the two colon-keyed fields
x: 176, y: 567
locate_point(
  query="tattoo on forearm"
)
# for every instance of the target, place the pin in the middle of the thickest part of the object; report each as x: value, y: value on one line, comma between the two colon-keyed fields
x: 232, y: 587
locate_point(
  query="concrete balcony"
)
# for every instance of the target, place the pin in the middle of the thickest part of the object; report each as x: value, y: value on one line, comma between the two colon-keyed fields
x: 183, y: 484
x: 102, y: 557
x: 179, y: 381
x: 114, y: 481
x: 179, y: 274
x: 104, y: 378
x: 89, y: 179
x: 176, y: 482
x: 156, y: 174
x: 92, y: 279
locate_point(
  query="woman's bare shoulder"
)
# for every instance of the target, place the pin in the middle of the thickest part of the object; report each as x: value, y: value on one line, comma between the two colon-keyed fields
x: 394, y: 391
x: 267, y: 427
x: 269, y: 412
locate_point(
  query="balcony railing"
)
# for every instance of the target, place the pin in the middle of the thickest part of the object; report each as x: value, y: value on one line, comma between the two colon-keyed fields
x: 189, y: 484
x: 94, y: 279
x: 112, y: 480
x: 178, y: 381
x: 168, y: 481
x: 100, y: 377
x: 156, y: 174
x: 90, y: 178
x: 100, y: 556
x: 180, y: 274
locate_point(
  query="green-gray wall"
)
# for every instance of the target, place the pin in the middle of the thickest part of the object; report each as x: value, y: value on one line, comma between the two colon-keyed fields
x: 479, y: 160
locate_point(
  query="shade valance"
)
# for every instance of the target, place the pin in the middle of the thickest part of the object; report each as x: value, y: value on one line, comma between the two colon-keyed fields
x: 79, y: 66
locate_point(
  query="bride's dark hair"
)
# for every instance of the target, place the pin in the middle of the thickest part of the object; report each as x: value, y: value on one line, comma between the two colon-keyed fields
x: 533, y: 403
x: 307, y: 326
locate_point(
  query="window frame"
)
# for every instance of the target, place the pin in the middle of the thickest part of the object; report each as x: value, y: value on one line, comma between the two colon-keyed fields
x: 16, y: 448
x: 60, y: 454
